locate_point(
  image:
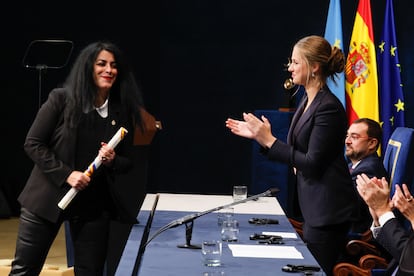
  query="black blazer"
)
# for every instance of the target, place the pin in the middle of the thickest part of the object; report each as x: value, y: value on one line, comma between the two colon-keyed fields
x: 406, y: 260
x: 394, y: 238
x: 315, y: 147
x: 51, y: 146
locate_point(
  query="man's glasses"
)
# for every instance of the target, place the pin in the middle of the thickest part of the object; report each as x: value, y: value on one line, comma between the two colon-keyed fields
x: 355, y: 137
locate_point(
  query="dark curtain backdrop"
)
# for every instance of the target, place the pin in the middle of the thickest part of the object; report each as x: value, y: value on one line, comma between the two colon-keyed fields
x: 198, y: 63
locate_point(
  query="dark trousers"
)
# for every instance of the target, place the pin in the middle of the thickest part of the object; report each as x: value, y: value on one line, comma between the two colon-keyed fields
x: 36, y: 235
x: 326, y: 243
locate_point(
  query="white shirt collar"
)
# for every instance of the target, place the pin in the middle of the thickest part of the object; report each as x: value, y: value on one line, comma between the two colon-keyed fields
x: 103, y: 109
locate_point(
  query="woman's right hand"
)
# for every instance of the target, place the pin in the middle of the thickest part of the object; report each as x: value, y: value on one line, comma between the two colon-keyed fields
x: 78, y: 180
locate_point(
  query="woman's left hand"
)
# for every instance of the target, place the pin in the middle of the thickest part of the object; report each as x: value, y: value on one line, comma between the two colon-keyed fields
x: 239, y: 128
x: 253, y: 128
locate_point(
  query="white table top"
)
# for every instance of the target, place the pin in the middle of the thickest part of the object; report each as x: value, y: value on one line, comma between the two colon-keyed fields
x: 200, y: 203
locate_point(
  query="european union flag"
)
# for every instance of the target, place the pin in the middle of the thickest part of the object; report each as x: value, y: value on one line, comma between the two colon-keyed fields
x: 333, y: 33
x: 391, y: 97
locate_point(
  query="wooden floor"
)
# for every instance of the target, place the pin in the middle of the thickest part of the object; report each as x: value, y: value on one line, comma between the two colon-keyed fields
x: 8, y: 234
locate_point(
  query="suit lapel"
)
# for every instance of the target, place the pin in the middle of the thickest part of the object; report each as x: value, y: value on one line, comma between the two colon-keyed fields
x: 296, y: 116
x: 300, y: 117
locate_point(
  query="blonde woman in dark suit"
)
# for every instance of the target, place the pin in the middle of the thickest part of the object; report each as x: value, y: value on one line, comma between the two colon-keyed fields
x: 314, y: 149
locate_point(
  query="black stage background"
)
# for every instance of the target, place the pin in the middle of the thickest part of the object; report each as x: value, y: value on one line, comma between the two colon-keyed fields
x: 199, y: 61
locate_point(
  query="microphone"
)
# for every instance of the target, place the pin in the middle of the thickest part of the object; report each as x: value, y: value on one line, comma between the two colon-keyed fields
x: 288, y: 84
x: 188, y: 220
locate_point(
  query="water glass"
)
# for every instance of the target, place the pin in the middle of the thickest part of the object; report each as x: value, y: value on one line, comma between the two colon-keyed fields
x: 211, y: 252
x: 230, y: 230
x: 224, y: 214
x: 239, y: 193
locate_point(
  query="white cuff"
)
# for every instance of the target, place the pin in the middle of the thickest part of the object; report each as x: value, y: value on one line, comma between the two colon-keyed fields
x: 385, y: 217
x: 382, y: 220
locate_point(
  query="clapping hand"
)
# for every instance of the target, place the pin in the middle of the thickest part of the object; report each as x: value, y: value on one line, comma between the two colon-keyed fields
x: 403, y: 201
x: 253, y: 128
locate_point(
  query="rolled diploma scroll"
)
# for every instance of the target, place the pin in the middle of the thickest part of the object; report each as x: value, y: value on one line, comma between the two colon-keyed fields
x: 119, y: 135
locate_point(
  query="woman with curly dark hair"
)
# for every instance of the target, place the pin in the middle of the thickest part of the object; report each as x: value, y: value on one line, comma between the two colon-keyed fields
x: 72, y: 128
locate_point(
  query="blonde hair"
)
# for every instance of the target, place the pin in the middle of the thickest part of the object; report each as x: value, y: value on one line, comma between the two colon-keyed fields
x: 317, y: 50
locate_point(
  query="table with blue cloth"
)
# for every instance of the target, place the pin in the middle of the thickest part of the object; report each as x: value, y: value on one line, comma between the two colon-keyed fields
x: 162, y: 256
x: 129, y: 261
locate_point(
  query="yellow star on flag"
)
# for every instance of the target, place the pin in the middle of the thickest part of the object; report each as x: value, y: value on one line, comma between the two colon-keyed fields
x: 392, y: 50
x: 399, y: 105
x: 381, y: 46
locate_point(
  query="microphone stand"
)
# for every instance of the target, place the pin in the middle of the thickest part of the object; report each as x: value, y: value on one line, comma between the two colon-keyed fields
x: 47, y: 54
x: 188, y: 235
x: 40, y: 68
x: 188, y: 220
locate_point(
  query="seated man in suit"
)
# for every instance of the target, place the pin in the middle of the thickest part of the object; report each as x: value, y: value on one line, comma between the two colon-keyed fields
x: 361, y: 145
x: 386, y: 228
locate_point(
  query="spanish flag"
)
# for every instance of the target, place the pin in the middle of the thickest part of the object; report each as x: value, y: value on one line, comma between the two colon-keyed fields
x: 361, y: 68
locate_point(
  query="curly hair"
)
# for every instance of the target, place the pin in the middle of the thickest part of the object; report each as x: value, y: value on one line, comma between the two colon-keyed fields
x: 81, y: 88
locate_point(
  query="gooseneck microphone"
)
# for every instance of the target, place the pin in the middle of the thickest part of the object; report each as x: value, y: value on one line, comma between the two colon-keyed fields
x: 188, y: 220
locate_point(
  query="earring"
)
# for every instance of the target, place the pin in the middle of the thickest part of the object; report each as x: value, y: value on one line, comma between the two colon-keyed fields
x: 313, y: 74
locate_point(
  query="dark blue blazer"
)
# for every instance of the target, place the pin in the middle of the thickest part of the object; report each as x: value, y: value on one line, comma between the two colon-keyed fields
x: 396, y: 240
x: 315, y: 147
x: 371, y: 165
x: 407, y: 256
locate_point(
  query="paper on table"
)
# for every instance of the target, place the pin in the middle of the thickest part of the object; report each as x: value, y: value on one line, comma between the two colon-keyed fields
x: 285, y: 235
x: 265, y: 251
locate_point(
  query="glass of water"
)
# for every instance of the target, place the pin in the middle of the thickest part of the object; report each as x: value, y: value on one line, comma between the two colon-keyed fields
x: 224, y: 214
x: 211, y: 252
x: 239, y: 193
x: 230, y: 230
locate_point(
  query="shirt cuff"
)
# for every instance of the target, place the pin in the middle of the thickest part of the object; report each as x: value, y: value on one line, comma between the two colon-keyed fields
x: 382, y: 220
x: 385, y: 217
x: 375, y: 230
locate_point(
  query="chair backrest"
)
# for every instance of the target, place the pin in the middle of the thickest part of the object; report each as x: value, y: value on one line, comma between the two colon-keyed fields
x: 398, y: 159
